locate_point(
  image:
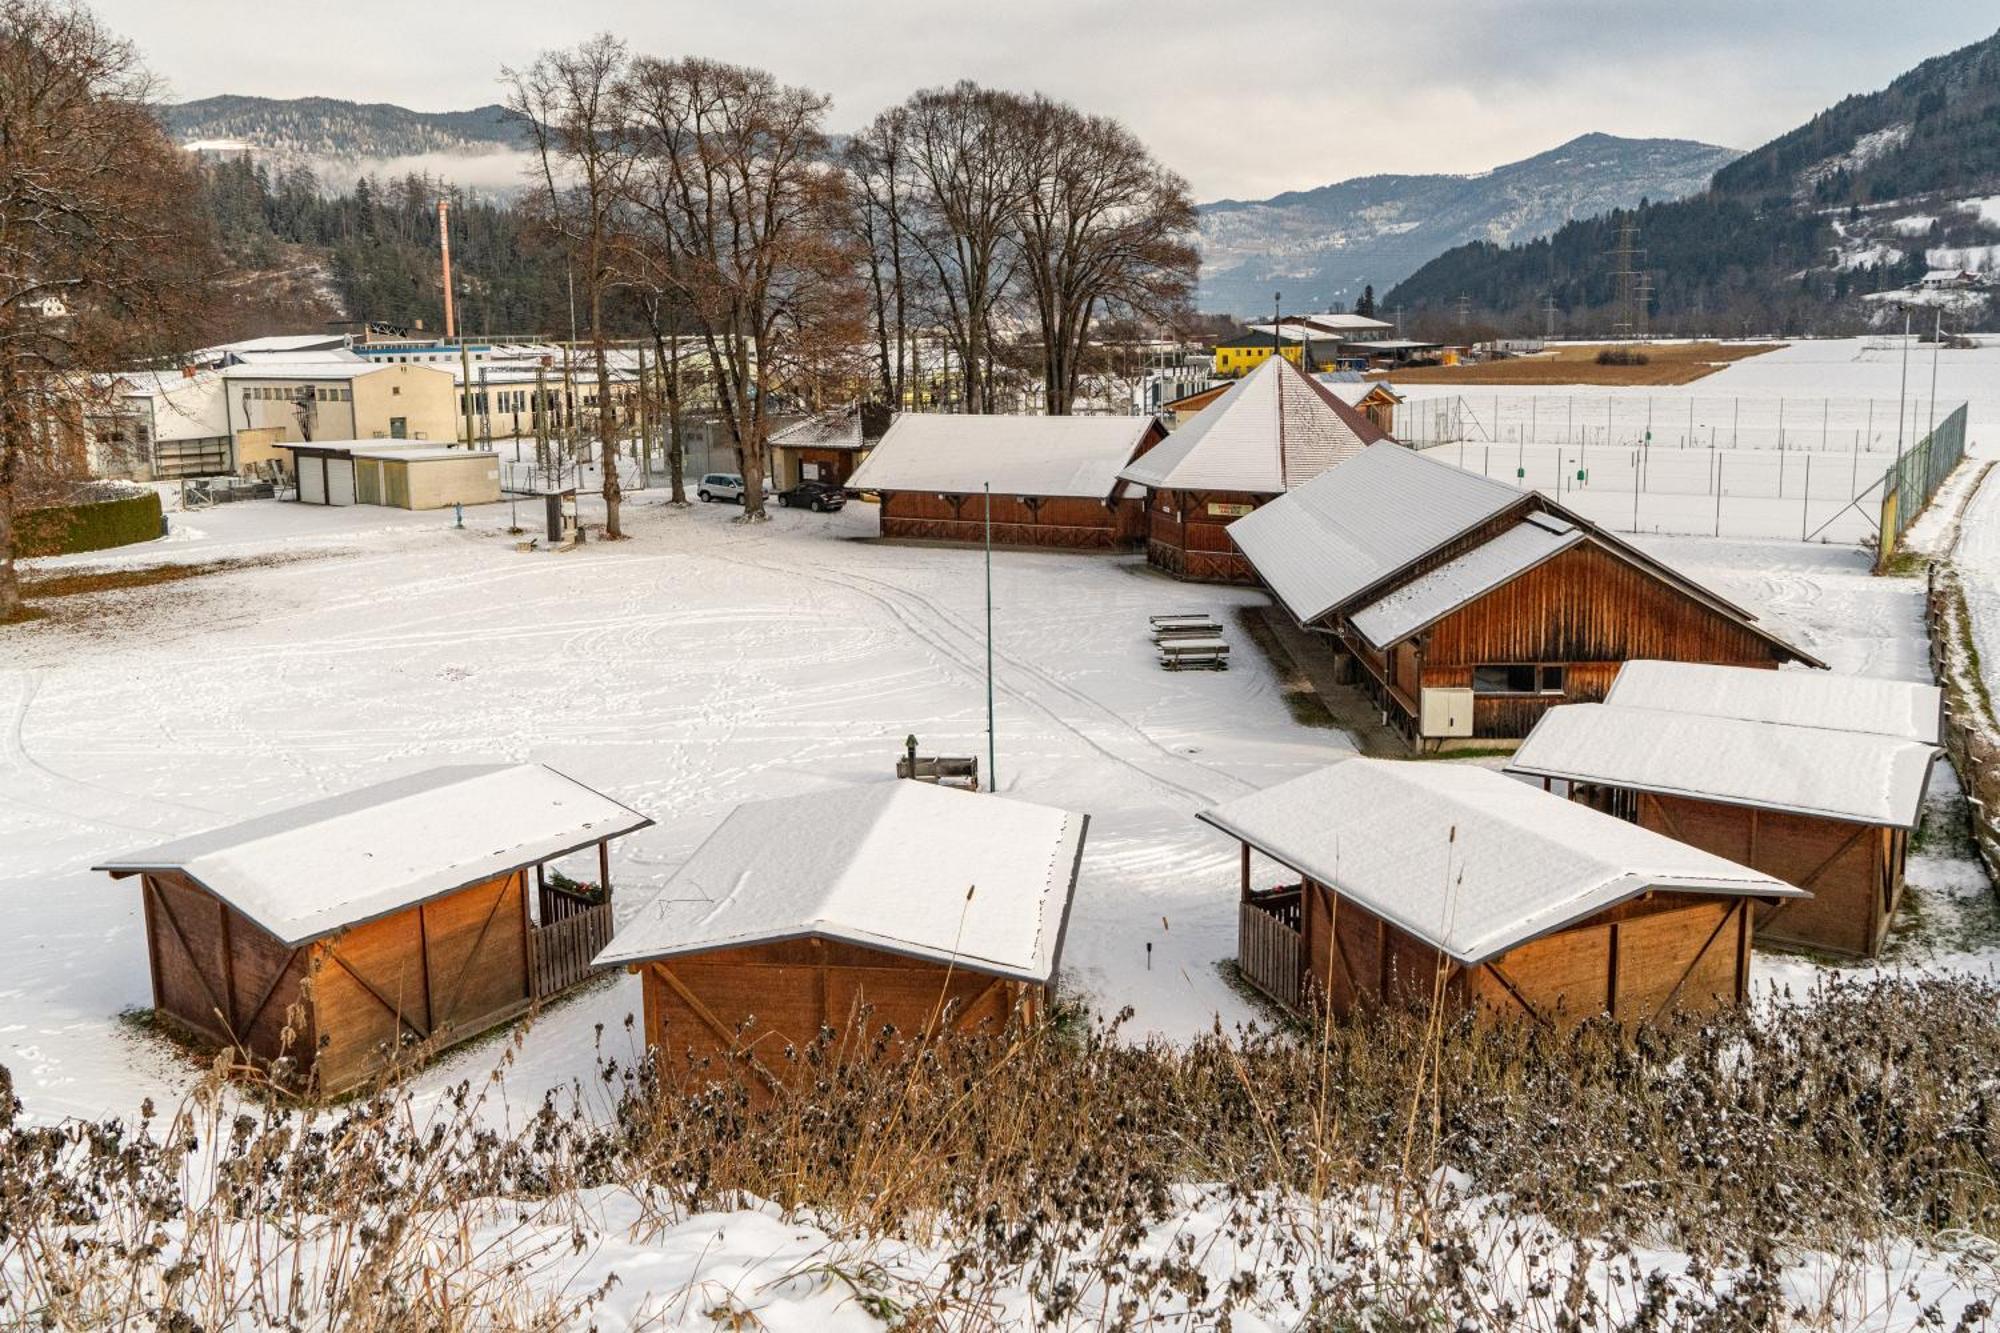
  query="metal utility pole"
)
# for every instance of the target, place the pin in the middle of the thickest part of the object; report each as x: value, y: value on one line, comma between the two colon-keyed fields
x: 1937, y: 345
x: 1549, y: 317
x: 465, y: 366
x: 542, y: 420
x: 444, y: 252
x: 1903, y: 389
x: 645, y: 427
x: 1627, y: 275
x: 992, y: 752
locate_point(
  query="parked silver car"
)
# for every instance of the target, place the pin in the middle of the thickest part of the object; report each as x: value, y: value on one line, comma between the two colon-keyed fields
x: 724, y: 486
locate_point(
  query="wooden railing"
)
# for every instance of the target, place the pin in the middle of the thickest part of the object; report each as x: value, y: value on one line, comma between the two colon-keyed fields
x: 561, y: 951
x: 1268, y: 944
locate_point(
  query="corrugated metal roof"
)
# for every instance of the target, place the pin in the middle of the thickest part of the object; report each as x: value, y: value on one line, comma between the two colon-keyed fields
x: 839, y: 429
x: 1467, y: 859
x: 1851, y: 775
x: 1801, y: 698
x: 1360, y: 522
x: 979, y: 881
x: 950, y: 454
x: 1275, y: 429
x: 310, y: 870
x: 1451, y: 585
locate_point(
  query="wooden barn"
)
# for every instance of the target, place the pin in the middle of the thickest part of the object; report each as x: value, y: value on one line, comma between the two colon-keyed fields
x: 1375, y: 399
x: 1054, y: 480
x: 386, y: 917
x: 1816, y: 779
x: 1272, y: 430
x: 1467, y: 607
x: 827, y: 446
x: 915, y: 901
x: 1405, y: 880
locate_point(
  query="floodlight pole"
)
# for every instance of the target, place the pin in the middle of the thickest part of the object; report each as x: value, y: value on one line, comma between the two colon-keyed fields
x: 1937, y: 345
x: 1903, y: 389
x: 992, y: 761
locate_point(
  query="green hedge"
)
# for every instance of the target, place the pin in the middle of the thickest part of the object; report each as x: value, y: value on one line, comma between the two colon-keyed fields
x: 89, y: 526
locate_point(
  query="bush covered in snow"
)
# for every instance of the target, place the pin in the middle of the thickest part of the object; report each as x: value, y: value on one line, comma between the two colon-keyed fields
x: 1831, y: 1159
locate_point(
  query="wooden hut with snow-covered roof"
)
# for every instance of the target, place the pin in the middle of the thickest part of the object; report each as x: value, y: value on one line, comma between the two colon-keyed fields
x: 1405, y: 880
x: 1815, y: 778
x: 1275, y: 429
x: 925, y: 906
x: 1467, y: 607
x: 1054, y: 480
x: 395, y: 915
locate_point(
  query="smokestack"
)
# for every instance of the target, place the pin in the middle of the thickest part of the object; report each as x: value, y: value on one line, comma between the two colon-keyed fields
x: 444, y: 248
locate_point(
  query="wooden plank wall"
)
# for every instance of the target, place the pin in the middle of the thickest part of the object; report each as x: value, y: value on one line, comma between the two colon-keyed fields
x: 759, y: 1000
x: 1188, y: 542
x: 1853, y: 871
x: 445, y: 970
x: 219, y: 974
x: 1633, y: 961
x: 1061, y: 522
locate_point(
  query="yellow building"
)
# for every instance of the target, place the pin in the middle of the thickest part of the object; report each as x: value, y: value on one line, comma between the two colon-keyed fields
x: 1242, y: 354
x: 339, y: 399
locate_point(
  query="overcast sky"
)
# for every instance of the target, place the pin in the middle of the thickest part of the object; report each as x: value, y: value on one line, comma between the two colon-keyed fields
x: 1244, y: 99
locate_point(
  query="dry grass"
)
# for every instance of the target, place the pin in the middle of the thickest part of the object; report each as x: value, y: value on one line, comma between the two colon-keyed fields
x: 82, y: 583
x: 1043, y: 1160
x: 1577, y: 363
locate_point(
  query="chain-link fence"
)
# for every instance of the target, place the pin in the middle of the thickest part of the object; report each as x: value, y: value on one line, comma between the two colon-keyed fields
x: 1667, y: 421
x: 1911, y: 481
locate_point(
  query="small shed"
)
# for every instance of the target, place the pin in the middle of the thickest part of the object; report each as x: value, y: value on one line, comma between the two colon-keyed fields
x: 1054, y: 480
x: 389, y: 916
x: 1467, y: 607
x: 827, y: 446
x: 1814, y: 778
x: 1375, y: 399
x: 913, y: 900
x: 1272, y: 430
x: 1417, y: 879
x: 413, y: 476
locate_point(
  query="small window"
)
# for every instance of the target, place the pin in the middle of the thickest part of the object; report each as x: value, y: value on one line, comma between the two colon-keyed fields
x: 1552, y: 679
x: 1503, y: 679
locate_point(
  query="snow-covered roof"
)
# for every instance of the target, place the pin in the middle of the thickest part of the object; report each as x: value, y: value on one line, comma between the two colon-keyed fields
x: 381, y: 448
x: 338, y: 356
x: 1355, y: 391
x: 978, y: 881
x: 822, y: 430
x: 950, y: 454
x: 295, y: 368
x: 1427, y: 598
x: 1467, y: 859
x: 1276, y: 428
x: 1361, y: 521
x: 1851, y: 775
x: 312, y: 869
x: 1799, y: 698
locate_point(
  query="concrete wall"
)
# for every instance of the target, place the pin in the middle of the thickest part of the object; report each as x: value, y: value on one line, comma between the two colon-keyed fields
x: 437, y: 483
x: 421, y: 395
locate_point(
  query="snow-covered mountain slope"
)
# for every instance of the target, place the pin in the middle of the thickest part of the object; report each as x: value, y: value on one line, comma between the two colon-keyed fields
x: 1320, y: 246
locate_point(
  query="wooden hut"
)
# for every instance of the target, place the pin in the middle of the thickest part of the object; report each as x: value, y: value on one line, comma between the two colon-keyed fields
x: 1412, y: 879
x: 827, y: 446
x: 1054, y: 480
x: 1816, y: 779
x: 1467, y: 607
x: 397, y: 914
x: 915, y: 901
x: 1272, y: 430
x: 1375, y: 399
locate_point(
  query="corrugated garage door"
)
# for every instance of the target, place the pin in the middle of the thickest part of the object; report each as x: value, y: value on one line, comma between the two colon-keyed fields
x: 312, y: 480
x: 340, y: 481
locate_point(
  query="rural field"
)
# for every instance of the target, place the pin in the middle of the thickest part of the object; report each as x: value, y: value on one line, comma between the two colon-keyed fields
x: 1666, y: 363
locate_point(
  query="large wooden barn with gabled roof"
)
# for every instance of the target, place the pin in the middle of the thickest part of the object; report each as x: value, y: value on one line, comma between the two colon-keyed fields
x: 1409, y: 880
x: 1815, y: 778
x: 1275, y: 429
x: 1053, y: 480
x: 916, y: 907
x: 1467, y: 607
x: 339, y: 932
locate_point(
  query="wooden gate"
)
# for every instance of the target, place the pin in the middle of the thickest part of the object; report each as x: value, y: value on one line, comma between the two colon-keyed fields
x: 563, y: 949
x: 1267, y: 947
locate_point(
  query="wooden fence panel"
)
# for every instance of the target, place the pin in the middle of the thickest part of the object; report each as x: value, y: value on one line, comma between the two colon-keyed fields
x: 1267, y: 954
x: 563, y: 950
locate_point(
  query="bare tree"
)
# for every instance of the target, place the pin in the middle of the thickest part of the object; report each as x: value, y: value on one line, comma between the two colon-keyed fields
x: 1103, y: 232
x: 967, y: 167
x: 101, y: 259
x: 568, y: 102
x: 878, y: 164
x: 740, y: 214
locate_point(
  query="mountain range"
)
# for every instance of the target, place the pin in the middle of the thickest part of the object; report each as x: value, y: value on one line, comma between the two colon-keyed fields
x: 483, y: 150
x: 1823, y: 229
x: 1324, y: 245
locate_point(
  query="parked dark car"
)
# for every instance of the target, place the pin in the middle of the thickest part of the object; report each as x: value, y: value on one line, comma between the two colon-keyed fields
x: 814, y: 495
